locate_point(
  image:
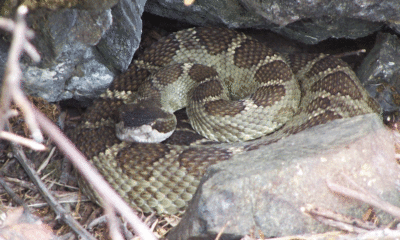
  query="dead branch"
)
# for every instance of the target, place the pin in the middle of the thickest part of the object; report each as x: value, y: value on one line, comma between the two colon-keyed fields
x: 60, y: 211
x: 11, y: 90
x: 92, y: 176
x: 375, y: 234
x: 338, y: 220
x: 113, y: 223
x: 364, y: 196
x: 22, y: 141
x: 351, y: 53
x: 10, y: 192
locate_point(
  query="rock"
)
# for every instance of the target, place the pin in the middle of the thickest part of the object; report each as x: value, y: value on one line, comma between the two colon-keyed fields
x: 96, y: 5
x: 3, y: 57
x: 123, y: 38
x: 66, y: 47
x: 309, y: 21
x: 91, y: 46
x: 9, y: 6
x: 93, y: 81
x: 81, y: 50
x: 264, y: 190
x: 380, y: 72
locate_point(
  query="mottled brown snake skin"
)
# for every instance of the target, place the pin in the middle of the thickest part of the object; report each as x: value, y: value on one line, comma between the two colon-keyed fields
x: 215, y: 65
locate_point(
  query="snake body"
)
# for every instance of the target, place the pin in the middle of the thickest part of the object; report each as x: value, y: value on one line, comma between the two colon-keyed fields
x: 227, y: 81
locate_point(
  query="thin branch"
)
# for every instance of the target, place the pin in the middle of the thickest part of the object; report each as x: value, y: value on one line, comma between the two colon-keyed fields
x: 11, y: 90
x: 115, y: 232
x: 10, y: 192
x: 21, y: 140
x: 92, y: 176
x: 351, y: 53
x: 18, y: 182
x: 61, y: 212
x: 46, y: 161
x: 96, y: 221
x: 375, y: 234
x: 338, y: 220
x: 366, y: 197
x: 222, y: 230
x: 31, y: 51
x: 9, y: 114
x: 340, y: 225
x: 9, y: 25
x: 20, y: 99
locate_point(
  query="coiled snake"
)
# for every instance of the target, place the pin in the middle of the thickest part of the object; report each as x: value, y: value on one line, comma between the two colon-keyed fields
x: 227, y: 81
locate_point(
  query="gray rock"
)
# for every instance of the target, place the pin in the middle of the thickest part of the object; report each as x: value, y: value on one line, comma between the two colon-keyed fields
x: 316, y: 30
x: 94, y: 80
x: 309, y: 21
x: 97, y: 5
x: 3, y: 57
x: 120, y: 42
x: 67, y: 36
x: 265, y: 189
x: 7, y: 8
x: 380, y: 72
x: 81, y: 50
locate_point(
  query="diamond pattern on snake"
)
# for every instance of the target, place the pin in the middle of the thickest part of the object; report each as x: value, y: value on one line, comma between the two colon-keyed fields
x: 239, y: 95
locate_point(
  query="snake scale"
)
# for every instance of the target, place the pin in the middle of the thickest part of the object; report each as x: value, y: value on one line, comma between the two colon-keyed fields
x: 218, y: 74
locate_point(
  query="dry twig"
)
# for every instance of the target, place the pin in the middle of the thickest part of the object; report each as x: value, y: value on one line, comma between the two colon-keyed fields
x: 93, y: 177
x: 11, y: 92
x: 11, y: 192
x: 61, y: 212
x: 222, y: 231
x: 338, y: 220
x: 364, y: 196
x: 113, y: 223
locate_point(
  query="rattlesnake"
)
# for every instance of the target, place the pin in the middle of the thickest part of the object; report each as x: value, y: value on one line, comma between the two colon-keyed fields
x: 304, y: 90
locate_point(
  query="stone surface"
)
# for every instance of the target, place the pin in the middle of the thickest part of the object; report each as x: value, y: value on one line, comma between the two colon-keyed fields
x: 264, y: 190
x: 380, y: 72
x: 123, y: 38
x: 309, y: 21
x: 90, y: 47
x: 3, y: 57
x: 64, y: 42
x: 7, y: 7
x: 81, y: 50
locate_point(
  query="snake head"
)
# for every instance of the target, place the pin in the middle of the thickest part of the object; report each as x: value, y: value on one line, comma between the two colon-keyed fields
x: 144, y: 122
